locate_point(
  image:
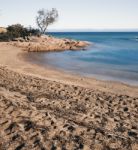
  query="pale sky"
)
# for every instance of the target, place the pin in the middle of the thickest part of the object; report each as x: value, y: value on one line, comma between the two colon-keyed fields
x: 73, y: 14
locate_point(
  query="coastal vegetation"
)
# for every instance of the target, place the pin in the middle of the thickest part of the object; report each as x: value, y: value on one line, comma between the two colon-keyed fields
x: 46, y: 18
x: 17, y: 31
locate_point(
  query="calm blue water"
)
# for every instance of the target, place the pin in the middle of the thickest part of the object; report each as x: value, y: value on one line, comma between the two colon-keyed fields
x: 112, y: 56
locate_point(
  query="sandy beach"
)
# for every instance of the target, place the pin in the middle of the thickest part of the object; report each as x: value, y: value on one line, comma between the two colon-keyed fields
x: 44, y: 108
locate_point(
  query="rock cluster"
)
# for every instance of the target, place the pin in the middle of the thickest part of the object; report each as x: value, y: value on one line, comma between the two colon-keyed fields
x: 48, y: 43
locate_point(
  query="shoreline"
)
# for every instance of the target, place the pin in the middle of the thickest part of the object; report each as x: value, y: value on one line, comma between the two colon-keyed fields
x: 43, y: 108
x: 102, y: 78
x: 19, y: 63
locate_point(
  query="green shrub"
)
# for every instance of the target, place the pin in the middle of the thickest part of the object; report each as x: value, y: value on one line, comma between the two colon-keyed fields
x: 32, y: 31
x: 16, y: 31
x: 4, y: 37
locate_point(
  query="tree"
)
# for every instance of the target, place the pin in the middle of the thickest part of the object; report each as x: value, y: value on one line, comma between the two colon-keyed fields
x: 46, y: 18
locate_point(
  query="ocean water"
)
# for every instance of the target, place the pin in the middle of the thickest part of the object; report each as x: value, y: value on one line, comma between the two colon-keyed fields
x: 112, y: 56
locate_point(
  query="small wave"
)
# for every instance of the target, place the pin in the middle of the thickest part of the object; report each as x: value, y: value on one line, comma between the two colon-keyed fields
x: 126, y: 39
x: 129, y: 39
x: 136, y: 38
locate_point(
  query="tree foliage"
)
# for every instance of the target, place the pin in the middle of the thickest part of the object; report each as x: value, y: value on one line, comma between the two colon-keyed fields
x: 46, y: 18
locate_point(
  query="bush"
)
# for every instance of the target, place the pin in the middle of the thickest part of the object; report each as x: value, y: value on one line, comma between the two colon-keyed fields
x: 4, y: 37
x: 16, y: 31
x: 35, y: 32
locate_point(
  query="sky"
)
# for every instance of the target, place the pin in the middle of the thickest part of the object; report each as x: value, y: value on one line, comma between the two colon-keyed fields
x: 74, y: 14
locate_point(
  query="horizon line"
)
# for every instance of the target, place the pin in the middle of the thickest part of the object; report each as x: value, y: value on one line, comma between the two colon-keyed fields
x: 89, y: 29
x: 92, y: 30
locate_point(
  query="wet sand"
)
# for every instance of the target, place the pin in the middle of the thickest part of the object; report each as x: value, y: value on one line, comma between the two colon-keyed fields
x: 48, y: 109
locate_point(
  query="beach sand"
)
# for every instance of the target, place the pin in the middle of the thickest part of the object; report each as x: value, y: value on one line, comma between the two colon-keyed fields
x: 43, y: 108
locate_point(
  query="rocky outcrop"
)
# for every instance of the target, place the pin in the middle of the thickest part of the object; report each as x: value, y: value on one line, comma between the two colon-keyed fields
x: 3, y: 30
x: 48, y: 43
